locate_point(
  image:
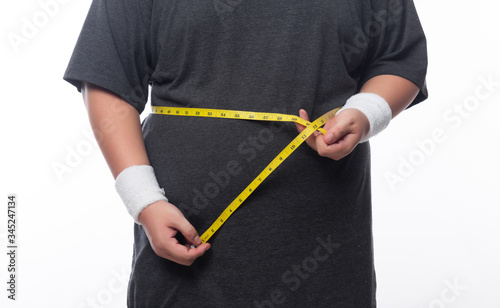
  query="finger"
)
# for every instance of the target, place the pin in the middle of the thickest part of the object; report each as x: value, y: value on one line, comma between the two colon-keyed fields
x: 342, y: 147
x: 339, y: 140
x: 303, y: 115
x: 329, y: 138
x: 311, y: 141
x: 198, y: 250
x: 186, y: 228
x: 183, y: 254
x: 336, y: 133
x: 338, y: 127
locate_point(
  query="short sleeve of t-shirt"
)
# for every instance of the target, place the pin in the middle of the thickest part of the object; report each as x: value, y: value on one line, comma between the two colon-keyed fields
x: 397, y: 44
x: 112, y: 50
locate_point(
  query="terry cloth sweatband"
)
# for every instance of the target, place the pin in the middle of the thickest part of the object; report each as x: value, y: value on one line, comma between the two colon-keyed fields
x: 376, y: 109
x: 138, y: 188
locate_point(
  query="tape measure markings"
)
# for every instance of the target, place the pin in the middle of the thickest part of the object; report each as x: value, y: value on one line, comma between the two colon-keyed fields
x: 273, y: 165
x: 232, y: 114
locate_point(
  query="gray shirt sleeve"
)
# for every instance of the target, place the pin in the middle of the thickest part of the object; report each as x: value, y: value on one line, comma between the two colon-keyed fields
x: 112, y: 50
x: 397, y: 44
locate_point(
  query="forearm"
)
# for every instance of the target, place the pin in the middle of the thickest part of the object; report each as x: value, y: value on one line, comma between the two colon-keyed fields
x: 116, y: 125
x: 397, y: 91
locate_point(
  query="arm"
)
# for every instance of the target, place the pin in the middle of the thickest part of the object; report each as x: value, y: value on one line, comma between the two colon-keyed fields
x: 346, y: 129
x: 116, y: 125
x: 117, y: 128
x: 397, y: 91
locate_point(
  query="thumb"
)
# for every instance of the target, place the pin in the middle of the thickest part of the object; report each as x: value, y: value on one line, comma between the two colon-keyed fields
x: 338, y: 130
x: 329, y: 138
x: 333, y: 131
x: 187, y: 230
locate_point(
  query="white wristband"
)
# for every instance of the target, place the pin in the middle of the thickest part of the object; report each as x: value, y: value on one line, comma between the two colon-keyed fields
x: 138, y: 188
x: 376, y: 109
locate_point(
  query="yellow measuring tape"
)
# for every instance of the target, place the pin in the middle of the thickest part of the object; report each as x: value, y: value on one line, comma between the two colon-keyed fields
x: 256, y: 116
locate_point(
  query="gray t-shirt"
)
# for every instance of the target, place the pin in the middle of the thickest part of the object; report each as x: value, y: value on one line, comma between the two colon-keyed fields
x: 304, y: 238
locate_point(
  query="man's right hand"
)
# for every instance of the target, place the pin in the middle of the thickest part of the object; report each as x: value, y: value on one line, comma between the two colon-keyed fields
x: 161, y: 221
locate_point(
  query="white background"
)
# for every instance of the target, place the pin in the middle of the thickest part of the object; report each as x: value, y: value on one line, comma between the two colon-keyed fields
x: 436, y: 230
